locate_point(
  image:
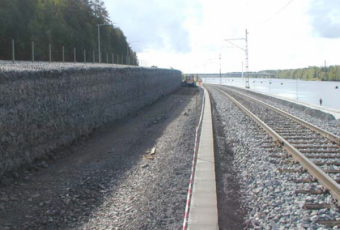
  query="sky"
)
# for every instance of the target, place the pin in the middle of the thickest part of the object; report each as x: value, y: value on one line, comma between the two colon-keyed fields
x: 189, y: 35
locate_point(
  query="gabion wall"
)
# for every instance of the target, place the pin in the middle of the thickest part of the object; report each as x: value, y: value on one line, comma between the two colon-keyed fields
x: 44, y: 109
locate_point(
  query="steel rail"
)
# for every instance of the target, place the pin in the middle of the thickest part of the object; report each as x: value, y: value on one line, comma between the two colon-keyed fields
x: 322, y: 132
x: 318, y: 173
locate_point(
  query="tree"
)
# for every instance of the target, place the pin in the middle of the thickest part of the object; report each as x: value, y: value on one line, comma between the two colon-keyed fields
x: 68, y: 23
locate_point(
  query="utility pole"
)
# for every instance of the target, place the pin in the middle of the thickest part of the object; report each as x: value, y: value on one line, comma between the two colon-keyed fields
x: 247, y: 62
x: 99, y: 52
x: 246, y: 55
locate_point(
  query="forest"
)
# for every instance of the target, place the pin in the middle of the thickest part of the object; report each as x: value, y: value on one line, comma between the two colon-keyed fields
x: 57, y: 25
x: 312, y: 73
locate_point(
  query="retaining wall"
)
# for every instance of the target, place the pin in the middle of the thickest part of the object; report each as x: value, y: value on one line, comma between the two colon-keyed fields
x: 45, y: 109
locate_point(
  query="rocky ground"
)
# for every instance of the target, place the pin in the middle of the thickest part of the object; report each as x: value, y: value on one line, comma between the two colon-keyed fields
x: 231, y: 210
x: 250, y: 182
x: 129, y: 175
x: 323, y: 120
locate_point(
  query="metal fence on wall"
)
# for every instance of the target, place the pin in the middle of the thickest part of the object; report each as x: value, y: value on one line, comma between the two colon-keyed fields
x: 63, y: 54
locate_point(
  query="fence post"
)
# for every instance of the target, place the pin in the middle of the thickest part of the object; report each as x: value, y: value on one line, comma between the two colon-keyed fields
x: 63, y: 54
x: 32, y: 51
x: 107, y: 58
x: 50, y: 52
x: 112, y: 58
x: 13, y: 51
x: 75, y: 54
x: 117, y: 59
x: 93, y: 57
x: 85, y: 56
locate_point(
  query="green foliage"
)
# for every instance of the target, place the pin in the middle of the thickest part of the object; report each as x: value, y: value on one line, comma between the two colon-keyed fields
x: 68, y: 23
x: 331, y: 73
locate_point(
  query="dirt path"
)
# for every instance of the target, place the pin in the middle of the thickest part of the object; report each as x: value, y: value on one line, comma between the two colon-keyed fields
x: 105, y: 182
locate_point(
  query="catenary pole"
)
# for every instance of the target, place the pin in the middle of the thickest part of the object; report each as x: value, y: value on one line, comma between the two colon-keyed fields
x: 246, y: 50
x: 247, y: 61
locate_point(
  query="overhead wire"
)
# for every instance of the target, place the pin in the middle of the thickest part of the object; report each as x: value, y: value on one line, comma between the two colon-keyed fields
x: 278, y: 12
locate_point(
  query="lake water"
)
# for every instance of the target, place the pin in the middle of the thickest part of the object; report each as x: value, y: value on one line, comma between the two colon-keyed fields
x: 304, y: 91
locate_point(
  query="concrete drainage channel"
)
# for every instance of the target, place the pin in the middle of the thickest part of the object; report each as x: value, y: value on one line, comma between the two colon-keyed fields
x: 203, y: 202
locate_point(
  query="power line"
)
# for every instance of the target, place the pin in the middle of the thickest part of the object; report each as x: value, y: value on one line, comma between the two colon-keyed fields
x: 278, y: 12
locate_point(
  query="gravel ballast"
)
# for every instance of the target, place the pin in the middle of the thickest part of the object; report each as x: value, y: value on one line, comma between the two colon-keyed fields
x: 266, y: 194
x: 316, y: 117
x: 111, y: 180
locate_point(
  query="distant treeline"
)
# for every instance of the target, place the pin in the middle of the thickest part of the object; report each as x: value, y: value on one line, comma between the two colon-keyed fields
x: 331, y: 73
x: 68, y: 23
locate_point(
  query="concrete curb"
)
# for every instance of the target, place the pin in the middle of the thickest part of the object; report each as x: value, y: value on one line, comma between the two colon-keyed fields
x: 203, y: 209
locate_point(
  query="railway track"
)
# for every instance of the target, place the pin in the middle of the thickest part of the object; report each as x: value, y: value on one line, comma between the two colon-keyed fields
x: 312, y: 149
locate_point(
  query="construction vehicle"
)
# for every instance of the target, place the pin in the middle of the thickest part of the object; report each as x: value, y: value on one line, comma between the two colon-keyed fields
x: 189, y: 80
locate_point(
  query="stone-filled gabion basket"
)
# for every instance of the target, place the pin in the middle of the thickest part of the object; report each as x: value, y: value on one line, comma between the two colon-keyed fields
x: 42, y: 108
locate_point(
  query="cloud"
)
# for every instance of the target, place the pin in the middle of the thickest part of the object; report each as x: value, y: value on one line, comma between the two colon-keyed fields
x: 326, y: 18
x: 156, y: 24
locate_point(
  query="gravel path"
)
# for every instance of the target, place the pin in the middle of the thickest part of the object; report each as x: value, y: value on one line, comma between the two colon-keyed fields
x: 316, y: 117
x: 266, y: 194
x: 110, y: 180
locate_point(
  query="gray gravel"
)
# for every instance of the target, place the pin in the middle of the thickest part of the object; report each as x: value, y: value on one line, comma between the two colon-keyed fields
x: 267, y: 193
x: 316, y: 117
x: 109, y: 182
